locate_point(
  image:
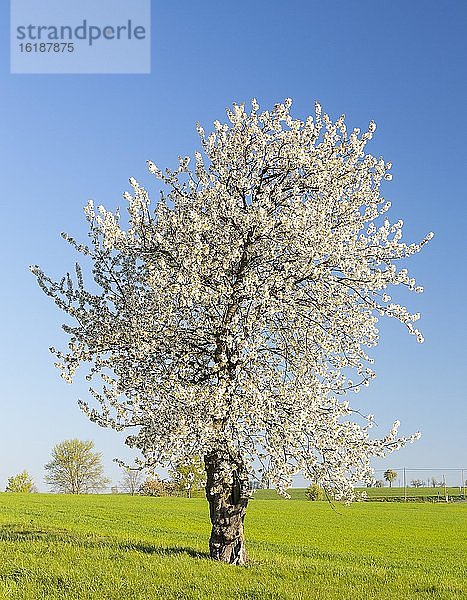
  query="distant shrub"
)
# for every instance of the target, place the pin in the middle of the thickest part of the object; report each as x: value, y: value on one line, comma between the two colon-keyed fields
x: 157, y: 487
x: 314, y: 492
x: 21, y: 484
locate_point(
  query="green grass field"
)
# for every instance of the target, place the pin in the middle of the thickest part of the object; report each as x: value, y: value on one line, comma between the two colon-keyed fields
x: 122, y: 547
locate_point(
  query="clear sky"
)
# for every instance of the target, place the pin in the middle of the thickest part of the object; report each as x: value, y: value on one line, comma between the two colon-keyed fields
x: 67, y: 138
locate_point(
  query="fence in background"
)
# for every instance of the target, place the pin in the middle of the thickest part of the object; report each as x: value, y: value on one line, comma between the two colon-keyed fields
x: 413, y: 484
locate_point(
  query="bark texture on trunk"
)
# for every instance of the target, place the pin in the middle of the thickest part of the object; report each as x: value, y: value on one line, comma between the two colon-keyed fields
x: 227, y: 508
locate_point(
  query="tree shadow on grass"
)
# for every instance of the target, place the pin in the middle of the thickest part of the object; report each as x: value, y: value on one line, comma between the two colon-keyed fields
x: 19, y: 533
x: 163, y: 550
x: 27, y: 533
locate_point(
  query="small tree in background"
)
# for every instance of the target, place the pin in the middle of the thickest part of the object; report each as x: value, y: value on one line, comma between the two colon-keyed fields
x: 75, y: 468
x: 21, y: 483
x: 314, y: 492
x: 417, y: 483
x: 189, y: 475
x: 131, y: 481
x: 390, y: 475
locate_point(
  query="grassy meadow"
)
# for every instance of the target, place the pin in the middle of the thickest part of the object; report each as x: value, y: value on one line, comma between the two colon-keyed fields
x: 128, y: 548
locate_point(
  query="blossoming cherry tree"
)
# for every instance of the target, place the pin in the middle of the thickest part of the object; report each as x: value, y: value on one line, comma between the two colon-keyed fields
x: 231, y: 319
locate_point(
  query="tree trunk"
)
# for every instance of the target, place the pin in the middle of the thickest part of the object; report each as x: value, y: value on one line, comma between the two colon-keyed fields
x: 227, y: 508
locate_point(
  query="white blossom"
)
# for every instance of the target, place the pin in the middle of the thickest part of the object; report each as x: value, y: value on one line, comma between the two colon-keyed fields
x: 233, y: 312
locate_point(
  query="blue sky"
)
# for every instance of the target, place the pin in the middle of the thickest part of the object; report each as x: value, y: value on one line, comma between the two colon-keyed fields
x: 67, y: 138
